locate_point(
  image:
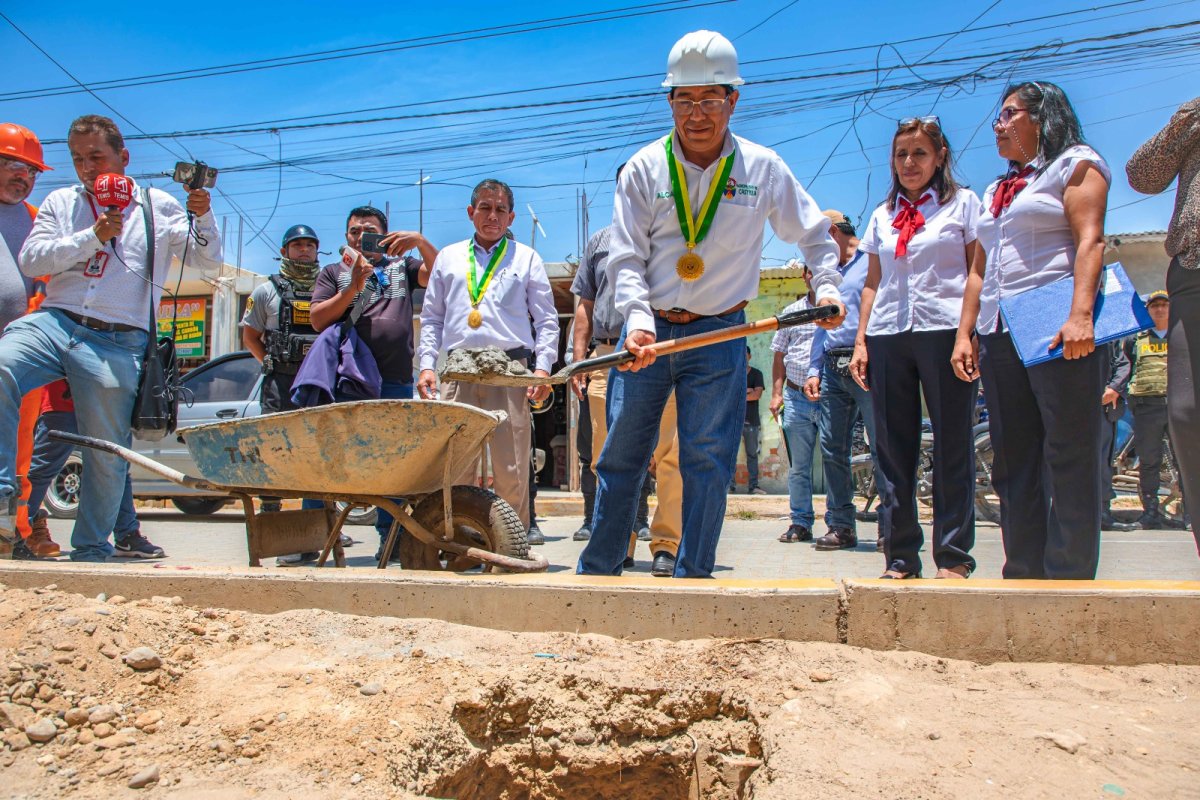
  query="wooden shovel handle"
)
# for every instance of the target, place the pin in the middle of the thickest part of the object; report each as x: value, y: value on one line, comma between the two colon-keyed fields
x: 801, y: 317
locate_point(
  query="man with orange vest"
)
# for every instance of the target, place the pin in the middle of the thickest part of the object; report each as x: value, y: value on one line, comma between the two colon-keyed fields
x: 20, y: 164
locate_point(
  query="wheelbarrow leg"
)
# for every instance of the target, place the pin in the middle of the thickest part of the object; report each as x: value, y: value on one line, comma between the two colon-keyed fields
x: 252, y: 538
x: 385, y: 554
x: 334, y: 542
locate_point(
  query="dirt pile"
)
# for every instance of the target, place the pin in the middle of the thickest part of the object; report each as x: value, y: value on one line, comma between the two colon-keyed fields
x: 100, y: 694
x: 485, y: 365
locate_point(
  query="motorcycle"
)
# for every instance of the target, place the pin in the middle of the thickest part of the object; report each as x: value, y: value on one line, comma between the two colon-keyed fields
x: 987, y: 504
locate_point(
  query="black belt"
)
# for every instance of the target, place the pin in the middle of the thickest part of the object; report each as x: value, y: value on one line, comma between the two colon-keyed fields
x: 1148, y: 399
x: 612, y: 341
x: 98, y: 324
x: 791, y: 384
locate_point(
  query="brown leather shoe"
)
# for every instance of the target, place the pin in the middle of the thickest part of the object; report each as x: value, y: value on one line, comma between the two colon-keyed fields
x: 39, y: 541
x: 837, y: 539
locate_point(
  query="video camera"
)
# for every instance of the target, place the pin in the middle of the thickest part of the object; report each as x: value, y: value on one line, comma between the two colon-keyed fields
x: 195, y: 176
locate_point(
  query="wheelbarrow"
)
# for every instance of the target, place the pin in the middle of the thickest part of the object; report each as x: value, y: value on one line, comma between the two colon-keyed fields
x: 362, y: 454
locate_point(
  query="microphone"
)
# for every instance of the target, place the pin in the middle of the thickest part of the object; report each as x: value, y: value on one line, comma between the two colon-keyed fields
x: 114, y: 192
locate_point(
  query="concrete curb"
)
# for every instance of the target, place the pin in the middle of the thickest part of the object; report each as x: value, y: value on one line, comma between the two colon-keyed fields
x: 1084, y: 622
x: 1080, y: 622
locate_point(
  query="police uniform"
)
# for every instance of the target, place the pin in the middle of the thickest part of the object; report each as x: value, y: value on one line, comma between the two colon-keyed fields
x: 1148, y: 402
x: 281, y: 312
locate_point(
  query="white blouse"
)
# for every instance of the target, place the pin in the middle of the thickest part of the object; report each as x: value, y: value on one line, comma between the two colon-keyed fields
x: 1030, y: 243
x: 923, y: 290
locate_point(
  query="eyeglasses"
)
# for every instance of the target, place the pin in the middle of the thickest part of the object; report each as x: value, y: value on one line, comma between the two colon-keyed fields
x: 930, y: 120
x: 1006, y: 115
x: 712, y: 106
x: 12, y: 165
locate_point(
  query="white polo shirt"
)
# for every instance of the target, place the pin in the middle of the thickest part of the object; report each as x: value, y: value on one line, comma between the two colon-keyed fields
x: 647, y: 242
x: 922, y: 291
x: 1030, y: 244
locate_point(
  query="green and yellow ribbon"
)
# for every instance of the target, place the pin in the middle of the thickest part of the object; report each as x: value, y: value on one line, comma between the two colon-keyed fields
x: 683, y: 205
x: 478, y: 285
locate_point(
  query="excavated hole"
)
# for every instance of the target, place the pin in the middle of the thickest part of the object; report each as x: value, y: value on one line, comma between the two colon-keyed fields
x: 516, y: 741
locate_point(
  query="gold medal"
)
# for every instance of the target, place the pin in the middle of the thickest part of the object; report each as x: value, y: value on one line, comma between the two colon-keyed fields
x: 474, y: 319
x: 690, y: 266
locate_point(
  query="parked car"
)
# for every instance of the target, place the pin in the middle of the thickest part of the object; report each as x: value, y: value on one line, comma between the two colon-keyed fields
x: 225, y: 388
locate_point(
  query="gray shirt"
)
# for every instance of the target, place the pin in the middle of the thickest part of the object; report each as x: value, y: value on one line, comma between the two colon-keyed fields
x: 591, y: 283
x: 262, y: 308
x: 15, y: 225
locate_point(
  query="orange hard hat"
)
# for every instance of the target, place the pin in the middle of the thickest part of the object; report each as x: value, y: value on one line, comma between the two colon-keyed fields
x: 19, y: 143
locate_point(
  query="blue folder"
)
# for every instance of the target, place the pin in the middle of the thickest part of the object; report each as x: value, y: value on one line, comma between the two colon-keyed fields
x: 1035, y: 316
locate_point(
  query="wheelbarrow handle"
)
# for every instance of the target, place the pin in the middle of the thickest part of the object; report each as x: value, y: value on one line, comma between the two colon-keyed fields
x: 132, y: 457
x: 801, y: 317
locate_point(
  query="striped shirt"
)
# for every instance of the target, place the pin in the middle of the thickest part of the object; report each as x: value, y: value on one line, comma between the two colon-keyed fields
x: 796, y: 344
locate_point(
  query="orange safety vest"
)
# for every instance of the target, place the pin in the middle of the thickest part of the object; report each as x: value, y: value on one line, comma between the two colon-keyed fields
x: 31, y: 409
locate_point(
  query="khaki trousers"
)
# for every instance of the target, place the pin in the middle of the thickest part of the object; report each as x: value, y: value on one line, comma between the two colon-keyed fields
x: 510, y: 441
x: 667, y: 525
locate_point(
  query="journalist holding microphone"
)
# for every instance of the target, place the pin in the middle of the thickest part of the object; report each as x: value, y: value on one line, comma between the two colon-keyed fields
x: 920, y: 243
x: 92, y: 327
x: 1042, y: 222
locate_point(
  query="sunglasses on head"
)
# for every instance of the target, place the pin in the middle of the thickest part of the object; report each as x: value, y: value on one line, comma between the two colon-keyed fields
x: 929, y: 120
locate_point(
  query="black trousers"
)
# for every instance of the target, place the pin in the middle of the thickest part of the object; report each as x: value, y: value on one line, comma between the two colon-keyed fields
x: 583, y: 444
x: 1183, y: 380
x: 1046, y: 429
x: 901, y: 368
x: 1149, y: 430
x: 276, y: 392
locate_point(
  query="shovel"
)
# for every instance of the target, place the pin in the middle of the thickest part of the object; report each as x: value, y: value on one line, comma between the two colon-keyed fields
x: 801, y: 317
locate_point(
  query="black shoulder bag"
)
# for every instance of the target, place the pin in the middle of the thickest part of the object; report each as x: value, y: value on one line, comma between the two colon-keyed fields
x: 156, y: 408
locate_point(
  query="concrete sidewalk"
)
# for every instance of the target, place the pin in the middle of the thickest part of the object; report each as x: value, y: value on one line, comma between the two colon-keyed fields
x: 748, y: 548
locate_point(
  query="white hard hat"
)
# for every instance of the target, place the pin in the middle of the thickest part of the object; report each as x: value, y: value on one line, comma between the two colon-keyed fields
x: 702, y: 58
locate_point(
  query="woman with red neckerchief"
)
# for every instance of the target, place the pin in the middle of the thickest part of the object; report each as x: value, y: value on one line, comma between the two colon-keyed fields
x: 920, y: 242
x: 1041, y: 222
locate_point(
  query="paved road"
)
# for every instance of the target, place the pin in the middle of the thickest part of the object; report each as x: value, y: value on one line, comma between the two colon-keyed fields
x: 748, y: 549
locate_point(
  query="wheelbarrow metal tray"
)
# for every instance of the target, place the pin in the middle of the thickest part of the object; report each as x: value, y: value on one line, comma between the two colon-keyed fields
x: 389, y: 448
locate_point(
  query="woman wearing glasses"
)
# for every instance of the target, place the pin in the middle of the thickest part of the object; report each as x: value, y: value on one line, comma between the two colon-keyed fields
x: 1042, y: 222
x: 920, y: 242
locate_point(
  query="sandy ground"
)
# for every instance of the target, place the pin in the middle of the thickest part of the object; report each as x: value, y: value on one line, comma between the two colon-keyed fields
x: 315, y: 704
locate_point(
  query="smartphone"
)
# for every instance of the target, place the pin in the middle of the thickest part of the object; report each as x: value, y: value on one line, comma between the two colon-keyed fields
x: 370, y: 243
x: 195, y: 176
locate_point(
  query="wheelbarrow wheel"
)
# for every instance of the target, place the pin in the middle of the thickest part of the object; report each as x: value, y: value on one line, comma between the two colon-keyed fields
x: 481, y: 519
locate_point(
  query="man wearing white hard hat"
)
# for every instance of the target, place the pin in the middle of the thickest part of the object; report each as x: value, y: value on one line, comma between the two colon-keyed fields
x: 684, y: 259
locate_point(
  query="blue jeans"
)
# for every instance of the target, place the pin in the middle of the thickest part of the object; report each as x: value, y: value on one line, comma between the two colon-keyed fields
x: 388, y: 391
x: 710, y: 395
x: 841, y: 401
x: 800, y: 418
x: 103, y: 368
x: 49, y: 458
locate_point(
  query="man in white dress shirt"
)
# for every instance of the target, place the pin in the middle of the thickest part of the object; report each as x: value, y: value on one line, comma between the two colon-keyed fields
x: 482, y: 292
x: 92, y: 327
x: 684, y: 258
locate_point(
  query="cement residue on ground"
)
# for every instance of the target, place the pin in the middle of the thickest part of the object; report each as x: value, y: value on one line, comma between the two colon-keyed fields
x: 486, y: 365
x: 315, y: 704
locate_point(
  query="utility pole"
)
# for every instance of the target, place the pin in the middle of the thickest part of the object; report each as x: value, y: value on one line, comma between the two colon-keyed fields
x: 241, y: 230
x: 421, y: 211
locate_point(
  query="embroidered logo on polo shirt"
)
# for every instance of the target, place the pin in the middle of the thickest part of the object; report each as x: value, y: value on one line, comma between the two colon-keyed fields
x: 663, y: 195
x: 748, y: 189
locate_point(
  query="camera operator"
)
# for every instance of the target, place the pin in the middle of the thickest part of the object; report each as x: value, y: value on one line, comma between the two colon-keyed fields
x: 92, y: 327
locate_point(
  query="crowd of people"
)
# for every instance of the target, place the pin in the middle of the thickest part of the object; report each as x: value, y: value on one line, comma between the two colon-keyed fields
x: 916, y: 322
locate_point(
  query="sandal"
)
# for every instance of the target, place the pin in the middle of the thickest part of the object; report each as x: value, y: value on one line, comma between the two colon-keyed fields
x: 895, y: 574
x: 958, y: 572
x: 787, y: 537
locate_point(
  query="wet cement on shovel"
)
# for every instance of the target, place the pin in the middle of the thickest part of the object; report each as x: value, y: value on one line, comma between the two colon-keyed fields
x: 488, y: 365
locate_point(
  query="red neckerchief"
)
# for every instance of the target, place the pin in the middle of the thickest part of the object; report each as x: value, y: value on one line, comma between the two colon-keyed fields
x: 1008, y: 189
x: 908, y: 222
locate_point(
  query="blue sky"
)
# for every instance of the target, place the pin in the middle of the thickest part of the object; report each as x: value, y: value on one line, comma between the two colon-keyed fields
x: 440, y: 101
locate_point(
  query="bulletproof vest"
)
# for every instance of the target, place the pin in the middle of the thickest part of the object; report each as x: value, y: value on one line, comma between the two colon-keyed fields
x: 1149, y: 367
x: 288, y: 345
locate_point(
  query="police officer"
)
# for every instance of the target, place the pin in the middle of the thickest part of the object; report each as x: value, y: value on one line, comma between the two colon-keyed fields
x: 1148, y: 401
x: 276, y: 328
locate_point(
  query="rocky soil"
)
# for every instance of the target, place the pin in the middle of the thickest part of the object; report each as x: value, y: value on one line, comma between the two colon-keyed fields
x: 100, y: 697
